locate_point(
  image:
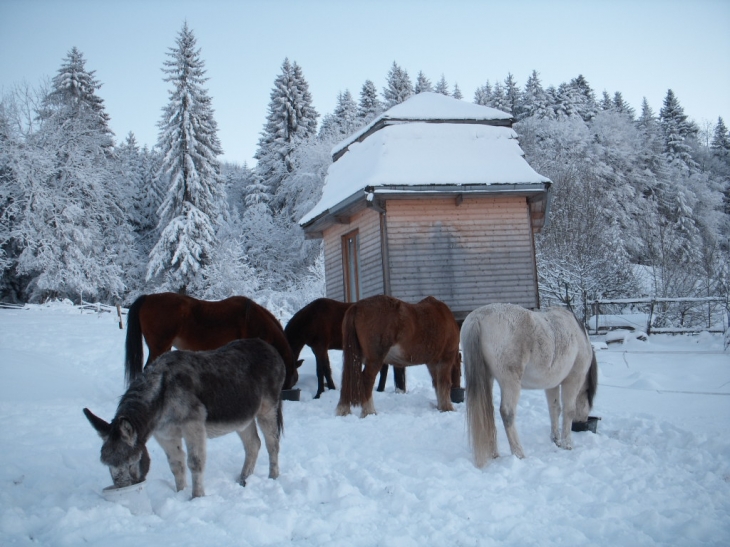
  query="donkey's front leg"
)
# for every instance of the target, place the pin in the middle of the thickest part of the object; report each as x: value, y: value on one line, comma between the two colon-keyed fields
x: 195, y: 435
x: 175, y: 458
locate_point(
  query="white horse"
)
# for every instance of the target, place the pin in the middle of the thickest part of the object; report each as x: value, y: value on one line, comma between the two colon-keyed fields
x: 524, y: 349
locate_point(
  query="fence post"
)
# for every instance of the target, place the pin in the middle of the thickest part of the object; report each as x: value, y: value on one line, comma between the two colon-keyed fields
x: 119, y: 313
x: 651, y: 313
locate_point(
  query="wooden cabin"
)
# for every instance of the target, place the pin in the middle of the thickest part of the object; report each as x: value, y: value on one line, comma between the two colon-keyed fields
x: 434, y: 197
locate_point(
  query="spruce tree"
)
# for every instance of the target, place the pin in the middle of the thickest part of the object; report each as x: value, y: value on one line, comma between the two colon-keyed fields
x: 423, y: 84
x: 343, y: 121
x: 534, y: 99
x: 677, y: 129
x: 72, y: 226
x: 188, y: 141
x: 399, y: 86
x: 606, y: 101
x: 291, y: 120
x: 585, y: 99
x: 483, y: 95
x: 369, y: 106
x: 512, y: 94
x: 720, y: 144
x: 457, y: 92
x: 622, y: 106
x: 442, y: 86
x: 499, y: 99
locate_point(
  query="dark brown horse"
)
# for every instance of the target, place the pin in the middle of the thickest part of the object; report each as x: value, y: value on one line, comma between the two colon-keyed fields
x: 382, y: 329
x: 319, y: 326
x: 168, y: 320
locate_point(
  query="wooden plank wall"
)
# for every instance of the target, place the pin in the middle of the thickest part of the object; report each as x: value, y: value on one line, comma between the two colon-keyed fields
x: 476, y: 253
x: 371, y: 264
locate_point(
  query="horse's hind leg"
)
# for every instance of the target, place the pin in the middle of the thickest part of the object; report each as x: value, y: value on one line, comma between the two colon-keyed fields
x: 251, y: 445
x: 553, y: 400
x: 569, y: 390
x: 175, y: 458
x: 324, y: 371
x: 507, y: 409
x: 441, y: 376
x: 369, y: 373
x: 383, y: 377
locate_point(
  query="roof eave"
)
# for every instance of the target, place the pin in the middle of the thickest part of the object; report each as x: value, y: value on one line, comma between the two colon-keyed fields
x: 340, y: 213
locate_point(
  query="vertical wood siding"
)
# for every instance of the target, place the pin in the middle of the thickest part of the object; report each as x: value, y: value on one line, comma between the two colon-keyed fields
x: 371, y: 264
x: 478, y: 252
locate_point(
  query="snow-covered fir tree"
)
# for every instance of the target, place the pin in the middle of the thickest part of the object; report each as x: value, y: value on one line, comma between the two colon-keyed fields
x: 369, y: 107
x: 534, y: 99
x: 457, y: 92
x: 620, y: 105
x: 606, y: 102
x: 188, y: 141
x: 499, y: 99
x: 585, y: 98
x: 483, y: 95
x: 74, y: 97
x: 423, y: 84
x: 720, y: 144
x: 677, y: 129
x: 343, y: 121
x: 398, y: 88
x: 442, y: 86
x: 71, y: 222
x: 512, y: 95
x: 290, y: 121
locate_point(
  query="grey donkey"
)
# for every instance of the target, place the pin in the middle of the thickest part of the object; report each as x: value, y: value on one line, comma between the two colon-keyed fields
x: 193, y: 395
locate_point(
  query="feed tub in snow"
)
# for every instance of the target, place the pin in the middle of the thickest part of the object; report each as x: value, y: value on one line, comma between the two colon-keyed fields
x: 290, y: 394
x: 132, y: 497
x: 591, y: 424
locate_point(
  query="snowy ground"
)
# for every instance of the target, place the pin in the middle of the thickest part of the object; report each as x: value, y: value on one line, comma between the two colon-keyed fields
x: 657, y: 472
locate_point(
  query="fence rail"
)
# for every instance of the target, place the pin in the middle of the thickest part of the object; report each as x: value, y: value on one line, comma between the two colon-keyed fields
x: 716, y: 318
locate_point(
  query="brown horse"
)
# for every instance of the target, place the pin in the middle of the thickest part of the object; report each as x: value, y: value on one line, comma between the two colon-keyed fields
x: 382, y: 329
x: 319, y: 326
x: 167, y: 320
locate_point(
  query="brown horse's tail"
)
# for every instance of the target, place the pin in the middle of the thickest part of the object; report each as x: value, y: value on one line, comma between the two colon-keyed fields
x: 479, y: 403
x: 351, y: 391
x: 133, y: 345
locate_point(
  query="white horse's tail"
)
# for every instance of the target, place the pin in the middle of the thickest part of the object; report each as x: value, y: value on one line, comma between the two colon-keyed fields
x: 479, y: 404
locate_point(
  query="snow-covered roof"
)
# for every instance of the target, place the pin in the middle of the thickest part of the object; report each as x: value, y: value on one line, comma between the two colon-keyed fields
x: 411, y: 149
x: 430, y: 107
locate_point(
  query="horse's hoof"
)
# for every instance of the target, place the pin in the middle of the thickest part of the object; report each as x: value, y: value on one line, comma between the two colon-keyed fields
x: 342, y: 410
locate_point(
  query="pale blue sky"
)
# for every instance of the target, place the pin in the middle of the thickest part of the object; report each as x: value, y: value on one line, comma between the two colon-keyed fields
x: 641, y: 48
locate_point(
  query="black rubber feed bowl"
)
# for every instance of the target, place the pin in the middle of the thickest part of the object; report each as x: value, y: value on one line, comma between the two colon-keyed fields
x: 457, y: 394
x: 591, y: 424
x: 290, y: 394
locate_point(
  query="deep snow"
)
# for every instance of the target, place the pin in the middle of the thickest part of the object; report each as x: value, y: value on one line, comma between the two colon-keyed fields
x: 656, y: 473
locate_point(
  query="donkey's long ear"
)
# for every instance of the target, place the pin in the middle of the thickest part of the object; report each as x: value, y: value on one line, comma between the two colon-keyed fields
x: 102, y: 427
x: 127, y: 432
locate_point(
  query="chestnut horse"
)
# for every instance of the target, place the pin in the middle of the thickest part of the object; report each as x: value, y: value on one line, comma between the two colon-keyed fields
x: 319, y: 326
x: 382, y: 329
x: 167, y: 320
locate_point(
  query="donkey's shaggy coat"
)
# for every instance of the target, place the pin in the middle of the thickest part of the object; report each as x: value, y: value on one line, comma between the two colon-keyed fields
x: 190, y: 395
x: 530, y: 350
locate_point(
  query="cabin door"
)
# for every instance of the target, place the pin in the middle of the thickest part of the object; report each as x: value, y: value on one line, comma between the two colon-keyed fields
x: 351, y: 265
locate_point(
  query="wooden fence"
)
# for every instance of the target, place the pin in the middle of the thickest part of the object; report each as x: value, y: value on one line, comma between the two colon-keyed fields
x: 717, y: 316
